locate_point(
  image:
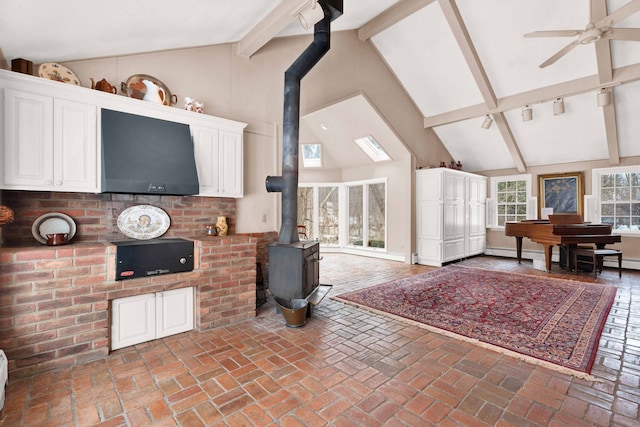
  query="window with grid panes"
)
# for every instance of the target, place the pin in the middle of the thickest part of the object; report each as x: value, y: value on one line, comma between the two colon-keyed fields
x: 619, y: 195
x: 511, y: 200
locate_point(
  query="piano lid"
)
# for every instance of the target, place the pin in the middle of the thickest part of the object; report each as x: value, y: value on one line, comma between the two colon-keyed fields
x: 566, y: 219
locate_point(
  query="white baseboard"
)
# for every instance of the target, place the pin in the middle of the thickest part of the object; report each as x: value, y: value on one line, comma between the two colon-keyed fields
x: 363, y: 252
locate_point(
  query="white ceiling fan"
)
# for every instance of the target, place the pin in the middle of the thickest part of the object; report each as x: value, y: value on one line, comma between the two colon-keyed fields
x: 594, y: 31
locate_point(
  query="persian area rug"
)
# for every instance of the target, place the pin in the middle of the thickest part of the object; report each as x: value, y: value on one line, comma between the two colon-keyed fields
x: 535, y: 318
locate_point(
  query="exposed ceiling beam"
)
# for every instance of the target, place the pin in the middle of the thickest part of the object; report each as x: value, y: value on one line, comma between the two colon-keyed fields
x: 605, y: 75
x: 454, y: 19
x: 603, y: 58
x: 459, y: 29
x: 609, y: 112
x: 621, y: 75
x: 391, y: 16
x: 276, y: 21
x: 510, y: 142
x: 603, y: 47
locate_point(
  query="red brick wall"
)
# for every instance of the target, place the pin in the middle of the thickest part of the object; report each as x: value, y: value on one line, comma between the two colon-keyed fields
x: 54, y: 300
x: 96, y: 215
x: 262, y: 251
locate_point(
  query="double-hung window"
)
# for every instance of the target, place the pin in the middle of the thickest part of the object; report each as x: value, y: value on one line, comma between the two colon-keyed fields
x: 617, y: 195
x: 510, y: 199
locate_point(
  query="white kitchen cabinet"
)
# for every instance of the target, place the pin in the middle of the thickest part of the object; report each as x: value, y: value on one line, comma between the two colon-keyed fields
x: 449, y: 215
x: 133, y: 320
x: 142, y: 318
x: 174, y: 312
x: 49, y: 144
x: 50, y: 137
x: 219, y: 161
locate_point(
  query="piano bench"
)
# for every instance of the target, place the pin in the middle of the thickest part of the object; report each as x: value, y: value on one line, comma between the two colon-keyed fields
x: 596, y: 257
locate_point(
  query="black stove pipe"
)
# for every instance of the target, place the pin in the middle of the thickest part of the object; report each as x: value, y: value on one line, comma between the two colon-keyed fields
x: 287, y: 184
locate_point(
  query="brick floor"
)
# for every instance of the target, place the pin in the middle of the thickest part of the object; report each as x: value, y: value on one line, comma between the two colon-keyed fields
x: 346, y: 367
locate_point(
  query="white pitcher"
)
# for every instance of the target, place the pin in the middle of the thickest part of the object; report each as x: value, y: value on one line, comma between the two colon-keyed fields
x: 154, y: 92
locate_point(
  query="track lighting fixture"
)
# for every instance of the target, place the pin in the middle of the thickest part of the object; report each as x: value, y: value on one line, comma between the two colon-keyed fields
x: 558, y: 106
x: 604, y: 97
x: 527, y: 113
x: 486, y: 124
x: 310, y: 14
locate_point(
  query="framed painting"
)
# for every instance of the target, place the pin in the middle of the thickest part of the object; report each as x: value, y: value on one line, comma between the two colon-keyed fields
x: 564, y: 193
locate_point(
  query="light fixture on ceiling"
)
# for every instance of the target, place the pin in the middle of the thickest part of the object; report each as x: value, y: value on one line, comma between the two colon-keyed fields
x: 310, y: 14
x: 486, y: 124
x: 604, y: 97
x: 558, y: 106
x: 527, y: 113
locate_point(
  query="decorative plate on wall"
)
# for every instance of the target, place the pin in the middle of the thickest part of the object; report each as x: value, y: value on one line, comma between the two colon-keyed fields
x: 57, y: 72
x: 53, y: 223
x: 143, y: 222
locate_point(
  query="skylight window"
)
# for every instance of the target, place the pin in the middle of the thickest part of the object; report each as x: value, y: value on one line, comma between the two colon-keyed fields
x: 370, y: 146
x: 312, y: 155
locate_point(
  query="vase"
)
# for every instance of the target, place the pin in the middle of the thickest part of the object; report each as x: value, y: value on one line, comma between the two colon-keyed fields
x: 222, y: 226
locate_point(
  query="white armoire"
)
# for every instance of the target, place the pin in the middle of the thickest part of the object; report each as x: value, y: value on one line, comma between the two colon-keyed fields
x: 450, y: 215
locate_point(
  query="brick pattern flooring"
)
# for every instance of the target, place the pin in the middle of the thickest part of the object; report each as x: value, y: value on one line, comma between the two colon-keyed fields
x: 346, y: 367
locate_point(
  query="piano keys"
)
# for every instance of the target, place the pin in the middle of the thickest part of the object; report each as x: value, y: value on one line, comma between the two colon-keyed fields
x: 549, y: 235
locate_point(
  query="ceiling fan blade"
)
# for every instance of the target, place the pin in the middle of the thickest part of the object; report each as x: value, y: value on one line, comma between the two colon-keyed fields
x: 554, y: 33
x: 619, y: 14
x: 562, y: 52
x: 630, y: 34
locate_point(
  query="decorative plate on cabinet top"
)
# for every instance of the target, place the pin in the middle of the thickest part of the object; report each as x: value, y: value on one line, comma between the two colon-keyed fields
x: 143, y: 222
x: 134, y: 88
x: 53, y: 223
x: 57, y: 72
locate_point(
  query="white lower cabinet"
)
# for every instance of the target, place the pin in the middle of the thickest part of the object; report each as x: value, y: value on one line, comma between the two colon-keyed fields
x: 147, y: 317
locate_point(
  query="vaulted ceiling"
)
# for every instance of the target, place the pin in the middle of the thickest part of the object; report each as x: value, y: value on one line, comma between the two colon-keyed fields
x: 459, y: 60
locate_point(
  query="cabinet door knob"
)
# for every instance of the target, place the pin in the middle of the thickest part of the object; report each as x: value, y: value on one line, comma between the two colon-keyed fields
x: 58, y: 182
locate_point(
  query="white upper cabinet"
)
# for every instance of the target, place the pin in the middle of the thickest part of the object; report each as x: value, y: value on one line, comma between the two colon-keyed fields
x: 51, y: 137
x: 75, y: 146
x: 219, y: 160
x: 49, y: 144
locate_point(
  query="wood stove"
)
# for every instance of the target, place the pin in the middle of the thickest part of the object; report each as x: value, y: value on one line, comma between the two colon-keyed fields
x: 294, y: 270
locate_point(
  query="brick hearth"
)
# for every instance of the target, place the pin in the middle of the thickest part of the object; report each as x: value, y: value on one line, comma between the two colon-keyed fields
x: 54, y: 301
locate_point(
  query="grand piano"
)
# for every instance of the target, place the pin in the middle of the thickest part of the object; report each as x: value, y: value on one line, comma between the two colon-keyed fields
x: 565, y: 229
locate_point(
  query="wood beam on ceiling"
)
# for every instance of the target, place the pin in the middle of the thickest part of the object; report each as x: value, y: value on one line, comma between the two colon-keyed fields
x: 605, y: 75
x: 621, y: 75
x: 603, y: 47
x: 454, y: 19
x: 509, y: 140
x: 391, y: 16
x: 603, y: 59
x: 609, y: 112
x: 277, y: 20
